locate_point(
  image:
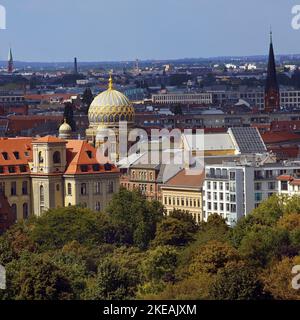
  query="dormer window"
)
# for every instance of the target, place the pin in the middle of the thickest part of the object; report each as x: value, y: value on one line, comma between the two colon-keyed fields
x: 107, y: 167
x: 96, y: 167
x: 84, y: 168
x: 89, y: 154
x: 17, y: 155
x: 5, y: 155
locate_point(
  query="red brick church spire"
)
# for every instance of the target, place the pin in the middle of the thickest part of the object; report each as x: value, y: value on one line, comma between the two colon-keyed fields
x: 272, y: 95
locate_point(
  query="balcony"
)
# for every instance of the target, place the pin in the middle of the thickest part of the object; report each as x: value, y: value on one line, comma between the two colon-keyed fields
x: 216, y: 176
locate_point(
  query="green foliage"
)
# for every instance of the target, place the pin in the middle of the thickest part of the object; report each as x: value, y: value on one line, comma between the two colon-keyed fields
x: 160, y: 264
x: 135, y: 251
x: 34, y: 277
x: 57, y: 227
x: 237, y: 282
x: 118, y: 276
x: 140, y: 215
x: 178, y: 229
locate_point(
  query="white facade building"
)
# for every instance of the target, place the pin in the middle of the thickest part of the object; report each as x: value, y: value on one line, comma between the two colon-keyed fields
x: 233, y: 190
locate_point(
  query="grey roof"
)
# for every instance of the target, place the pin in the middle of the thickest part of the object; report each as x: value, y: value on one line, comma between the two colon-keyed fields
x: 247, y: 140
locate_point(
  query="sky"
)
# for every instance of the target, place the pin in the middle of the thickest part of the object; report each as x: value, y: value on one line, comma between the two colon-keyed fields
x: 121, y: 30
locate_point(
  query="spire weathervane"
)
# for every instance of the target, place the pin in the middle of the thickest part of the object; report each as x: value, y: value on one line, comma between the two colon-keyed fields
x: 110, y: 81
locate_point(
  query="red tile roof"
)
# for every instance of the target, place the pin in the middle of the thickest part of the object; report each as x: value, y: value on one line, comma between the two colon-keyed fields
x: 276, y: 137
x: 82, y: 158
x: 49, y: 139
x: 182, y: 179
x: 285, y: 178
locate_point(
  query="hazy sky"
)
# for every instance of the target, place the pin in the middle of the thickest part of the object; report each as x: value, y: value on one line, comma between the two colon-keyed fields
x: 106, y: 30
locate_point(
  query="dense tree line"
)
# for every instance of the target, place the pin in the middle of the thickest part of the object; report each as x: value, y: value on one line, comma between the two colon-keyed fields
x: 134, y: 251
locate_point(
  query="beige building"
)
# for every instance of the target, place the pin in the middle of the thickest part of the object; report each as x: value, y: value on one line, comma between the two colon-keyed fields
x: 49, y: 172
x: 184, y: 192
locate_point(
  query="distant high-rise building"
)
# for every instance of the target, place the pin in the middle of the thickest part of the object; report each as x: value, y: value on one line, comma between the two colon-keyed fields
x: 75, y: 66
x: 272, y: 94
x: 10, y: 66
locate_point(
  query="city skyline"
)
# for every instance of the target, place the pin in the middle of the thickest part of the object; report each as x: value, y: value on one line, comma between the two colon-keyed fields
x: 126, y: 30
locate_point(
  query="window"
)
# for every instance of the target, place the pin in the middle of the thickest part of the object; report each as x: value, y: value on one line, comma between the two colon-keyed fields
x: 110, y: 187
x: 107, y: 167
x: 84, y: 168
x: 258, y: 174
x: 14, y: 211
x: 215, y: 186
x: 83, y: 189
x: 89, y: 154
x: 17, y: 155
x: 208, y: 185
x: 96, y: 167
x: 97, y: 206
x: 257, y: 186
x: 13, y: 189
x: 69, y: 189
x: 5, y: 155
x: 215, y: 206
x: 24, y: 187
x: 1, y: 169
x: 258, y: 197
x: 11, y: 169
x: 284, y: 185
x: 57, y: 187
x: 271, y: 185
x: 25, y: 211
x: 232, y: 175
x: 42, y: 195
x: 41, y: 159
x: 97, y: 187
x: 56, y: 157
x: 23, y: 168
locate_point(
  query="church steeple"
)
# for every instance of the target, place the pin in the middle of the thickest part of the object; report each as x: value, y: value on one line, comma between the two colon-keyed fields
x: 272, y: 95
x: 10, y: 66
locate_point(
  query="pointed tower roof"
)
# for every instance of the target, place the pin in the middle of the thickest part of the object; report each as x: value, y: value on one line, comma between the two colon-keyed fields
x: 10, y: 56
x: 271, y: 82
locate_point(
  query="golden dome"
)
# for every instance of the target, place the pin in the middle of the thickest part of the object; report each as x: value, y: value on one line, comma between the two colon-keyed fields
x: 110, y: 107
x: 65, y: 127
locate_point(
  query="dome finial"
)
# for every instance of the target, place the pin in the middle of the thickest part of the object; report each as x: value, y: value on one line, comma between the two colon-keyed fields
x: 110, y: 81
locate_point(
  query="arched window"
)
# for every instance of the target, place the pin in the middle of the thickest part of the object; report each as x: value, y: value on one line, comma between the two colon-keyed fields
x: 42, y: 195
x: 41, y: 159
x: 69, y: 205
x: 14, y: 211
x: 25, y: 211
x: 56, y: 157
x: 69, y: 189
